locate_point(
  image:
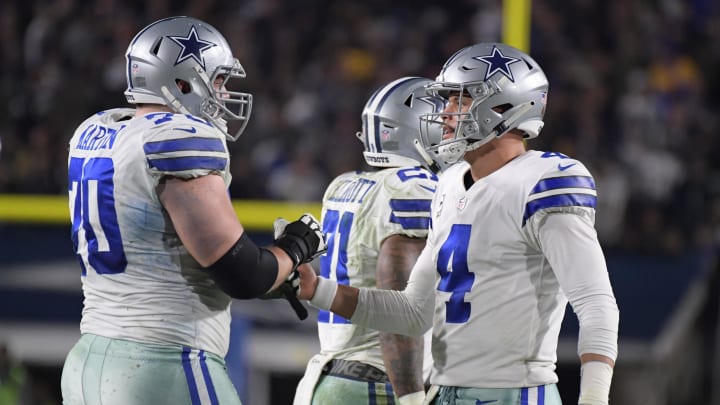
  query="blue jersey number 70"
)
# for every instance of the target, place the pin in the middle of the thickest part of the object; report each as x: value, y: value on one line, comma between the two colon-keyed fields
x: 95, y: 228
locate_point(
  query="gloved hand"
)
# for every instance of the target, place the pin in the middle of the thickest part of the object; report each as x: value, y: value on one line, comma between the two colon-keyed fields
x: 288, y: 290
x: 302, y: 240
x: 291, y: 284
x: 299, y: 238
x: 279, y: 227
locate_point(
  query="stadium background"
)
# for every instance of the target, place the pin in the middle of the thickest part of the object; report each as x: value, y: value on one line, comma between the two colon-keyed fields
x: 633, y: 95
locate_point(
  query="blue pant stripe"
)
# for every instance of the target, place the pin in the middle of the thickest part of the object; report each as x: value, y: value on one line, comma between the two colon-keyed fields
x: 390, y: 394
x: 523, y: 396
x: 187, y: 367
x: 541, y: 395
x: 372, y: 395
x: 208, y: 379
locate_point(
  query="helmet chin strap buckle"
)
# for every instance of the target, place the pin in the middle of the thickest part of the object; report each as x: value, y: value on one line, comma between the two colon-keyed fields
x: 426, y: 157
x: 471, y: 146
x: 453, y: 152
x: 509, y: 123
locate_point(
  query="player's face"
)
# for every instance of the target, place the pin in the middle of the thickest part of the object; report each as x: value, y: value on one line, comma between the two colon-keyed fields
x: 456, y: 105
x: 219, y: 85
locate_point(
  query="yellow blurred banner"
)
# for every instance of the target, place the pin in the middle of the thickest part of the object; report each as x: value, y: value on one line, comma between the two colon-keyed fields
x: 255, y: 215
x: 34, y: 209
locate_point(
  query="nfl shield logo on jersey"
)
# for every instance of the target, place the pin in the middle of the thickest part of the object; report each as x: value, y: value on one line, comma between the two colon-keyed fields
x: 462, y: 202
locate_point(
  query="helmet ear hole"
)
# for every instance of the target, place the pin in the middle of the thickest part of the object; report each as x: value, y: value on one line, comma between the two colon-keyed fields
x: 502, y: 108
x: 183, y: 86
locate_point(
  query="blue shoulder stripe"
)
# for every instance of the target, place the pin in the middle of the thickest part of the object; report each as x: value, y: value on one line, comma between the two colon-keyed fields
x: 421, y: 205
x: 563, y: 182
x: 182, y: 144
x: 418, y: 206
x: 560, y: 200
x: 188, y: 163
x: 411, y: 222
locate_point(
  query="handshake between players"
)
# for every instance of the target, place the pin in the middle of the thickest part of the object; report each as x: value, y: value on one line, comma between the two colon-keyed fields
x: 303, y: 241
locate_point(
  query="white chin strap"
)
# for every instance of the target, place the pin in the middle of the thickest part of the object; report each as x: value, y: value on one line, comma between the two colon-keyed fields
x: 452, y: 152
x: 174, y: 103
x: 429, y: 162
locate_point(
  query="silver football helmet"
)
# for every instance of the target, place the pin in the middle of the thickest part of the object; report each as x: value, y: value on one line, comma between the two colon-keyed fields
x: 391, y: 125
x: 187, y: 65
x: 507, y: 88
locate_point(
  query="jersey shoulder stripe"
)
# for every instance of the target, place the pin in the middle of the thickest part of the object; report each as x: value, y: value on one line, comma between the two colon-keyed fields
x: 411, y: 213
x: 410, y: 191
x: 183, y: 146
x: 179, y: 164
x: 562, y: 200
x: 567, y: 186
x: 554, y: 183
x: 422, y: 205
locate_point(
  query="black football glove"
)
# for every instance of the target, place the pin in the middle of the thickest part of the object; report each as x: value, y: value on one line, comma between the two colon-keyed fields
x: 288, y: 290
x: 302, y: 240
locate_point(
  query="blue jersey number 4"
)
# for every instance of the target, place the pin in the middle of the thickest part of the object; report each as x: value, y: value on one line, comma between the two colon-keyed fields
x: 455, y: 276
x: 95, y: 228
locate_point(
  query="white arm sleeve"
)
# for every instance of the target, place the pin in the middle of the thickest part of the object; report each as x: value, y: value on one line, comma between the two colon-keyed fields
x: 408, y: 312
x: 570, y: 244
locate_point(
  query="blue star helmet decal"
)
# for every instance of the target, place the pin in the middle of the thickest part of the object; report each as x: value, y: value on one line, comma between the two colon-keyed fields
x: 497, y: 62
x: 192, y: 47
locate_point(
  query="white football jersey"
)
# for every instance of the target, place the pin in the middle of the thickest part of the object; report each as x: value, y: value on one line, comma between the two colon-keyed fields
x: 360, y: 210
x: 139, y: 281
x: 498, y: 305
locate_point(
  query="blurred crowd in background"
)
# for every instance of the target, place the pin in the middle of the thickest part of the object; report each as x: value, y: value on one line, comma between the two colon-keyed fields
x: 632, y: 92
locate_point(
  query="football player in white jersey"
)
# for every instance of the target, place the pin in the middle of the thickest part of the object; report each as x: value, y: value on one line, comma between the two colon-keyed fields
x: 161, y: 249
x: 512, y: 240
x: 376, y: 223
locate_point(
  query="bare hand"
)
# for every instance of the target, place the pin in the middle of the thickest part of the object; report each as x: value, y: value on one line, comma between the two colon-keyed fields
x: 308, y: 281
